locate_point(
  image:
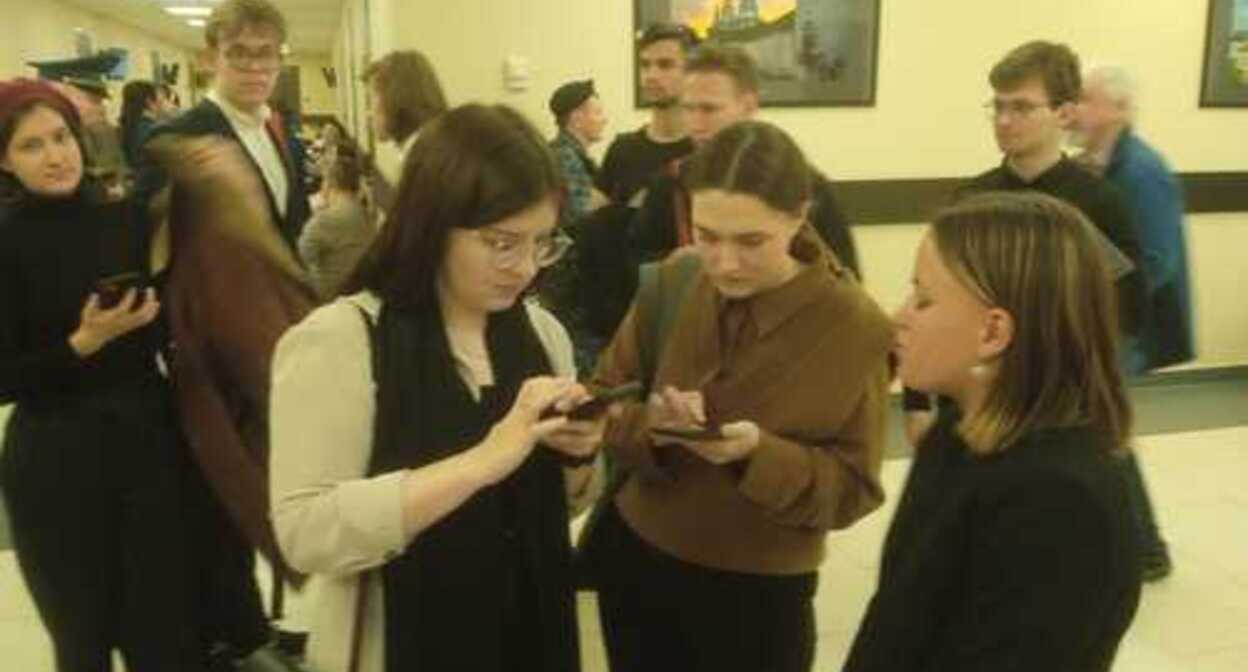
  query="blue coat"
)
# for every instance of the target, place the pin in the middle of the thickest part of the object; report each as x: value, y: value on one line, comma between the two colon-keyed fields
x: 1156, y: 203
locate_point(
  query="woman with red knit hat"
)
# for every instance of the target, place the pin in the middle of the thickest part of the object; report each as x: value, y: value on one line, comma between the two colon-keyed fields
x: 89, y: 464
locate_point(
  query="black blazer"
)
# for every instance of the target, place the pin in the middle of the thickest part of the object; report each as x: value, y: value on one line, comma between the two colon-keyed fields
x: 1022, y: 561
x: 208, y: 119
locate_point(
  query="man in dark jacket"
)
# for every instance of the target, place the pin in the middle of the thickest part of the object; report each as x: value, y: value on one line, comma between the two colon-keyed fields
x: 229, y: 295
x: 721, y: 88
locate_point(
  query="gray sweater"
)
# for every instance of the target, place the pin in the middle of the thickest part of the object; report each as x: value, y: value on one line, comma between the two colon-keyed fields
x: 333, y: 242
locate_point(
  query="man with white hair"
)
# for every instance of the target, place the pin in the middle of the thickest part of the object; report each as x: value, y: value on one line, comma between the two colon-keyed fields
x: 1104, y: 128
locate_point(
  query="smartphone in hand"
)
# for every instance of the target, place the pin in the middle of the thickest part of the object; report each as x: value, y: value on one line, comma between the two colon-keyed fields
x: 601, y: 399
x: 690, y: 433
x: 111, y: 289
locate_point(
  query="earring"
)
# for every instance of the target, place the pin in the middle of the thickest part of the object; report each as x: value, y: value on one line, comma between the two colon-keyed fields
x: 979, y: 370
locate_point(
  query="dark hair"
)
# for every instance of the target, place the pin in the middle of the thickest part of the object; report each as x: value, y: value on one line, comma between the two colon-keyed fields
x: 409, y: 89
x: 232, y: 17
x: 1054, y: 64
x: 754, y: 158
x: 11, y: 189
x: 1035, y: 257
x: 135, y: 97
x: 344, y: 173
x: 660, y: 32
x: 472, y: 166
x: 732, y: 61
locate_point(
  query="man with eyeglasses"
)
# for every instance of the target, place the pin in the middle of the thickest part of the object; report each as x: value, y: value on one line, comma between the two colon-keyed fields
x: 231, y: 286
x: 1036, y: 89
x: 1036, y: 92
x: 244, y: 40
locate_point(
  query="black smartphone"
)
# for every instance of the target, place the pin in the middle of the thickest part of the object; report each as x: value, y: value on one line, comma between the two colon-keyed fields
x: 601, y: 398
x: 112, y: 288
x: 690, y: 433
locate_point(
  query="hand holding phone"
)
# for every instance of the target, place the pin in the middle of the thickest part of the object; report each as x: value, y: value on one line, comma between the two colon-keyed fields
x: 600, y: 400
x: 690, y: 432
x: 113, y: 288
x: 717, y: 444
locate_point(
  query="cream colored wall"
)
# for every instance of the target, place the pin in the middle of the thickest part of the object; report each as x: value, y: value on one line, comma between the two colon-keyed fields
x: 45, y: 30
x: 927, y: 121
x: 315, y: 94
x: 1216, y: 244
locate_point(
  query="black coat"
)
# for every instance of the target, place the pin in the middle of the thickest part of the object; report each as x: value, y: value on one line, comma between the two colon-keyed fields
x: 1025, y: 560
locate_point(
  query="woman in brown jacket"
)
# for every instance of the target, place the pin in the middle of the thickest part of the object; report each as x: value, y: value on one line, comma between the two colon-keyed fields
x: 708, y: 558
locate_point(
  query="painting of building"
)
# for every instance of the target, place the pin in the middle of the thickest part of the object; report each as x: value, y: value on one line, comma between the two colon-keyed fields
x: 809, y: 52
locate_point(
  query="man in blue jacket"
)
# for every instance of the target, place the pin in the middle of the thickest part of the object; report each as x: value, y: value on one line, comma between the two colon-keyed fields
x: 1113, y: 149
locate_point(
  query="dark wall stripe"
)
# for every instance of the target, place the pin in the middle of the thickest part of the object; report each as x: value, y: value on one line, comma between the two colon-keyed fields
x: 913, y: 201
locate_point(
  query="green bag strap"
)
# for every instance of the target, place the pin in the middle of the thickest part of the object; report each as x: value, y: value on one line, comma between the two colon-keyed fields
x: 658, y: 306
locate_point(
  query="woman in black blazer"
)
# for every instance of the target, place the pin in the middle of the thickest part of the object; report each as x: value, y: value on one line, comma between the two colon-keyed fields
x: 1012, y: 545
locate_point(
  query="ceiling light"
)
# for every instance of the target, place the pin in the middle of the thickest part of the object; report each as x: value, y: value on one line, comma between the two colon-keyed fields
x: 189, y: 11
x: 197, y: 23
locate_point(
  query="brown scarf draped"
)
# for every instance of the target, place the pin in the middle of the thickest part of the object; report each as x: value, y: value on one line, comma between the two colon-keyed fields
x: 234, y: 287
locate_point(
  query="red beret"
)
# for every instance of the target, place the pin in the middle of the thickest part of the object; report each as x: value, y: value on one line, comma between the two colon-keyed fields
x: 17, y: 93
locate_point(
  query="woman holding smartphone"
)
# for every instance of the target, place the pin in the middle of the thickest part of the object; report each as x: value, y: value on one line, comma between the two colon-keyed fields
x: 764, y: 430
x: 91, y: 453
x: 423, y: 450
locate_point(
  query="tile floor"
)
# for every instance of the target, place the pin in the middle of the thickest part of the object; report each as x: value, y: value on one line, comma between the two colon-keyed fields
x: 1196, y: 621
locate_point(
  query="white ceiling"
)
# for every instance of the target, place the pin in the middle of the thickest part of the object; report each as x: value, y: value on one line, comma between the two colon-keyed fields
x: 311, y: 23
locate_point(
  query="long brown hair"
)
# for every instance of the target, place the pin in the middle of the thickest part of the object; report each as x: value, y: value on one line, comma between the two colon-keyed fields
x: 409, y: 91
x: 1036, y: 258
x: 472, y: 167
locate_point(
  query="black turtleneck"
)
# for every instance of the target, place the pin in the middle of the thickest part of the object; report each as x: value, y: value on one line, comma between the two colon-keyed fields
x: 53, y: 253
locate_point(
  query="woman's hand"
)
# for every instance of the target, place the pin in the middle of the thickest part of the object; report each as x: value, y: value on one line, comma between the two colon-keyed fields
x: 674, y: 408
x: 578, y: 439
x: 512, y: 439
x: 97, y: 327
x: 739, y: 442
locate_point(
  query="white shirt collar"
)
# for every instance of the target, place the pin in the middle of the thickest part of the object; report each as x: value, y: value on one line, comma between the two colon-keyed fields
x: 255, y: 119
x: 407, y: 144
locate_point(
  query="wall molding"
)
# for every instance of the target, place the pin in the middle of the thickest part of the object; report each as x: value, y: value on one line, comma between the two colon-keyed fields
x: 912, y: 201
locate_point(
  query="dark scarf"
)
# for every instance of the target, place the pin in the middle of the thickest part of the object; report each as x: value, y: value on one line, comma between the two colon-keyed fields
x: 488, y: 588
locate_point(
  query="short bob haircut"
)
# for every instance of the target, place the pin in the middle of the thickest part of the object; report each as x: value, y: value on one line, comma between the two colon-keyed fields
x: 474, y: 166
x: 1036, y: 258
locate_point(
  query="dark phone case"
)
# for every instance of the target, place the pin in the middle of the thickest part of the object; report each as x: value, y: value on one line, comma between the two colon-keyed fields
x: 712, y: 433
x: 114, y: 287
x: 602, y: 398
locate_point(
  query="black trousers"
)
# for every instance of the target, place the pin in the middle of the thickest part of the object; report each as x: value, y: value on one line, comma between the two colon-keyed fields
x: 93, y: 492
x: 659, y: 613
x: 227, y: 607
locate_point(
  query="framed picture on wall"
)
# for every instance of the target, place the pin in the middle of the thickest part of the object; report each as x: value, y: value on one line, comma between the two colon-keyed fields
x: 809, y: 52
x: 1224, y: 80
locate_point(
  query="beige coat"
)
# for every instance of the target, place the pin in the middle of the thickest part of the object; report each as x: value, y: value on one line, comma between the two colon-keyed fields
x: 331, y: 521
